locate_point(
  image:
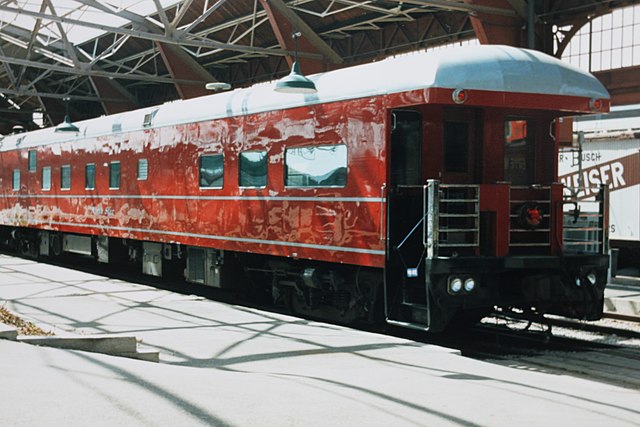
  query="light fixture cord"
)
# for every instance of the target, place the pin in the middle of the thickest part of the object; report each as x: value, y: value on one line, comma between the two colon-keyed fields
x: 66, y: 108
x: 295, y: 36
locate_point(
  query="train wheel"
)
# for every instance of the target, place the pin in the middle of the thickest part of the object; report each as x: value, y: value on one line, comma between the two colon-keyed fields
x: 24, y: 248
x: 55, y: 244
x: 369, y: 284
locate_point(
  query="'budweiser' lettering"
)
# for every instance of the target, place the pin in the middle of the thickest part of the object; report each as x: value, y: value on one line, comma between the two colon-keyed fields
x: 619, y: 173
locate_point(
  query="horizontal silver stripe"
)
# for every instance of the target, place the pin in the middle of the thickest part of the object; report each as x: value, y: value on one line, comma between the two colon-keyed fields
x: 221, y: 198
x: 212, y: 237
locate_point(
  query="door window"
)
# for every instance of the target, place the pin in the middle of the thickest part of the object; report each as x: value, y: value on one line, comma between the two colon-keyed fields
x: 406, y: 148
x: 519, y: 155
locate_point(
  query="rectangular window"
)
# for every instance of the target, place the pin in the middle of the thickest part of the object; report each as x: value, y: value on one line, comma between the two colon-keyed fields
x: 114, y: 175
x: 32, y: 160
x: 211, y: 171
x: 253, y: 169
x: 320, y: 166
x: 65, y: 177
x: 16, y: 180
x: 519, y: 152
x: 90, y: 176
x: 46, y: 178
x: 143, y: 169
x: 456, y: 147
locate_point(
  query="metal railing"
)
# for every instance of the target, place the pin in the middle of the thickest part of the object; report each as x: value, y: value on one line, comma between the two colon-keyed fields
x: 452, y: 215
x: 585, y: 220
x: 522, y: 235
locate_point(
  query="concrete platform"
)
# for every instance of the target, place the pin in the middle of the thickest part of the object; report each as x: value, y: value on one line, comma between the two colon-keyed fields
x: 8, y: 332
x: 229, y: 365
x: 623, y: 296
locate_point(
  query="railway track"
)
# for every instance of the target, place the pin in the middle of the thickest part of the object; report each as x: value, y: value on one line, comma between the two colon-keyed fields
x: 600, y: 352
x: 616, y: 365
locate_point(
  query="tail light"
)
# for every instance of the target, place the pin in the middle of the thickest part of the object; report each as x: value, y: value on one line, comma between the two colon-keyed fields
x: 530, y: 215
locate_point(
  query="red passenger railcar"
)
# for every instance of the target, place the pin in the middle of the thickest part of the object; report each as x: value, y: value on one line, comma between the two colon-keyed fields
x: 424, y: 185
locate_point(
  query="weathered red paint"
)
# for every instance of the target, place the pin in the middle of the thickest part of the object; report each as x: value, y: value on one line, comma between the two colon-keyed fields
x: 494, y: 200
x: 170, y: 207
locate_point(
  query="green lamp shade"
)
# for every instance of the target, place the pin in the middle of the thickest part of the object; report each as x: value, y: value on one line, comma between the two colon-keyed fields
x: 295, y: 82
x: 67, y: 126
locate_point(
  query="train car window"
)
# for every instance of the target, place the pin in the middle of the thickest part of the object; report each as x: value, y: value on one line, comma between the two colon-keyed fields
x: 32, y: 160
x: 406, y: 148
x: 519, y: 154
x: 90, y: 176
x: 253, y: 169
x: 143, y: 169
x: 456, y: 147
x: 211, y: 171
x: 65, y: 177
x: 318, y: 166
x: 46, y: 178
x: 15, y: 180
x: 114, y: 175
x: 148, y: 118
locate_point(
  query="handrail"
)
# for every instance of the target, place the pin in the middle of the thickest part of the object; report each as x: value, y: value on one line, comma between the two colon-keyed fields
x: 586, y: 231
x: 452, y: 217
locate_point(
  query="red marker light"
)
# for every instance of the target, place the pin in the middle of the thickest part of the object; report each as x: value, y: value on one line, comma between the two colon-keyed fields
x: 459, y: 96
x: 534, y: 216
x: 595, y: 104
x: 530, y: 216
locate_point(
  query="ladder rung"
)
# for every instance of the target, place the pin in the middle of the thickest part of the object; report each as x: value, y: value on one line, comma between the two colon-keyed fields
x: 415, y: 306
x: 457, y: 245
x: 458, y: 230
x: 576, y: 242
x: 459, y: 200
x: 410, y: 325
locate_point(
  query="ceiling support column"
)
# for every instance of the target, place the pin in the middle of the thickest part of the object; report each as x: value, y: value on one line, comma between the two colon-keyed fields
x: 284, y: 23
x: 109, y: 90
x: 622, y: 84
x: 183, y: 67
x: 499, y: 29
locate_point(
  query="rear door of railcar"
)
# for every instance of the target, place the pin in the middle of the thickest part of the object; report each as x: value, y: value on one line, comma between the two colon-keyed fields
x: 404, y: 273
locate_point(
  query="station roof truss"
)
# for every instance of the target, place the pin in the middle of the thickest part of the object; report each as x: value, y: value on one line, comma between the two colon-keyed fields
x: 111, y: 56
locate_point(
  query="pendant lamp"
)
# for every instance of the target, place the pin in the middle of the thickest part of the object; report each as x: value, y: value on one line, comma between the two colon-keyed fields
x: 66, y: 125
x: 295, y: 82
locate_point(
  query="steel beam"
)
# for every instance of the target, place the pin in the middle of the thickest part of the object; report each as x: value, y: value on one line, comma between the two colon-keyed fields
x: 622, y: 84
x: 107, y: 89
x: 134, y: 18
x: 362, y: 47
x: 53, y: 95
x: 69, y: 48
x: 467, y: 6
x: 183, y: 67
x: 204, y: 16
x: 93, y: 72
x: 184, y: 8
x: 492, y: 28
x: 157, y: 37
x: 278, y: 7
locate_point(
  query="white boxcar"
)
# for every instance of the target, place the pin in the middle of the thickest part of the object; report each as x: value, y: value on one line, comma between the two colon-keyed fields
x: 611, y: 155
